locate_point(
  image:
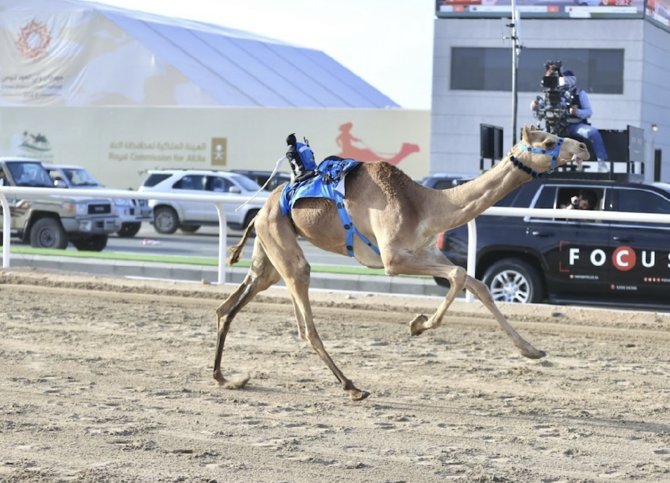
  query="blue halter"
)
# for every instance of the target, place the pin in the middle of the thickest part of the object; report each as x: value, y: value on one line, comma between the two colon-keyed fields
x: 530, y: 149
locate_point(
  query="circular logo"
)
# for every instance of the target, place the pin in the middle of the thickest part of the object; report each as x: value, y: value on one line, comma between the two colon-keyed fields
x: 624, y: 258
x: 34, y: 40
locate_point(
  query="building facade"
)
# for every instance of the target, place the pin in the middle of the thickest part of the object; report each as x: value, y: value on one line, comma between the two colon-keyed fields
x: 623, y: 64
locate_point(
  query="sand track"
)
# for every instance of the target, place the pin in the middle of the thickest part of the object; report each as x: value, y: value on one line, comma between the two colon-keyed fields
x: 109, y: 380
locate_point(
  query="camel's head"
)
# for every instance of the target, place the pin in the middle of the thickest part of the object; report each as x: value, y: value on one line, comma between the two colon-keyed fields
x: 543, y: 152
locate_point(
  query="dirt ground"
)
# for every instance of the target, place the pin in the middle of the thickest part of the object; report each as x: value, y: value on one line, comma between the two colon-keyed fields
x: 110, y: 380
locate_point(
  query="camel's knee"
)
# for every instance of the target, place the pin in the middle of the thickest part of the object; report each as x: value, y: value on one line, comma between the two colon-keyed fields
x: 302, y: 271
x: 227, y: 306
x: 392, y: 261
x: 457, y: 277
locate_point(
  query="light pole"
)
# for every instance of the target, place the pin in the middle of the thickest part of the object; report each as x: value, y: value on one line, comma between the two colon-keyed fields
x: 516, y: 51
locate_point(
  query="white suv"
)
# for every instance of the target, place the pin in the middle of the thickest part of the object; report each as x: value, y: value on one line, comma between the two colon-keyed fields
x: 189, y: 216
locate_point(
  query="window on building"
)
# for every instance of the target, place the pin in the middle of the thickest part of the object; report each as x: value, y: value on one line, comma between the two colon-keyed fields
x: 599, y: 71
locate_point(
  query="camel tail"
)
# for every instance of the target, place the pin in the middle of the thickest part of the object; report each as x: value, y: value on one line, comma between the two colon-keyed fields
x: 236, y: 251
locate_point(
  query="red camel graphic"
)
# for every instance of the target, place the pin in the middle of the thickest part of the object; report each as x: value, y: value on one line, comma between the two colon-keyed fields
x: 345, y: 140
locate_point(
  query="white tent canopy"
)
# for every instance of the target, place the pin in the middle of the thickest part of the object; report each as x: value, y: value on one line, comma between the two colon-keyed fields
x: 76, y: 53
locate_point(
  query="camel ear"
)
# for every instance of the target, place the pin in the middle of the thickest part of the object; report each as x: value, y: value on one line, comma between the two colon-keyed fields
x: 525, y: 134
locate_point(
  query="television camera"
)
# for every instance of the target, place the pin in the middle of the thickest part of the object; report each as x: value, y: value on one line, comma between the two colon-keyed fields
x: 554, y: 107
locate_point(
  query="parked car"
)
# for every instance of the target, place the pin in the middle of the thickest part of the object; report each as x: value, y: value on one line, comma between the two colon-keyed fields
x: 261, y: 177
x: 46, y: 221
x: 529, y: 260
x: 132, y: 212
x: 190, y: 216
x: 440, y: 181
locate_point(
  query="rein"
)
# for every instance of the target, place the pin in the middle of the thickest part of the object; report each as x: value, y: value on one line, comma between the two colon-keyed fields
x: 554, y: 157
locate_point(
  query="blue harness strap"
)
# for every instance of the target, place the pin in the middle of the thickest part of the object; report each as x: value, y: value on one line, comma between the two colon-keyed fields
x: 330, y: 173
x: 554, y: 154
x: 349, y: 227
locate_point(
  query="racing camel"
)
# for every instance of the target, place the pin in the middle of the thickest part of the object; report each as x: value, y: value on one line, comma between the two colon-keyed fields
x: 400, y: 217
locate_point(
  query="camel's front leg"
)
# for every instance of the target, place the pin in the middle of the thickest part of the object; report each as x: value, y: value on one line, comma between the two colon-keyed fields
x: 456, y: 276
x: 437, y: 265
x: 304, y: 311
x: 483, y: 293
x: 299, y: 320
x: 290, y: 261
x: 298, y: 284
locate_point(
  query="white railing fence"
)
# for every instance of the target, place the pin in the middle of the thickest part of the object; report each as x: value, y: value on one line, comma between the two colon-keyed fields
x: 218, y: 200
x: 237, y: 200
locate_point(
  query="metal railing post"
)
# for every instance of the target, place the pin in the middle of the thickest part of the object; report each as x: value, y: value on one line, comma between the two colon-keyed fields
x: 223, y: 238
x: 6, y: 226
x: 472, y: 256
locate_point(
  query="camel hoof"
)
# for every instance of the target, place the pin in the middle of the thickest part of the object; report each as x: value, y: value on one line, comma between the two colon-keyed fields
x: 533, y: 354
x: 357, y: 395
x: 416, y: 327
x: 232, y: 384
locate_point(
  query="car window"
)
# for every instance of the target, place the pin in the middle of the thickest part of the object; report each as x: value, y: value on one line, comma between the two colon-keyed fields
x: 154, y: 178
x: 218, y: 184
x: 544, y: 198
x: 55, y: 175
x: 278, y: 180
x: 444, y: 184
x: 551, y: 197
x: 507, y: 200
x: 246, y: 183
x: 30, y: 174
x: 190, y: 182
x: 566, y: 194
x: 632, y: 200
x: 80, y: 177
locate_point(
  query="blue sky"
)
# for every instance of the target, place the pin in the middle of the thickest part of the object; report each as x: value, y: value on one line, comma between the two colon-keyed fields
x: 389, y: 43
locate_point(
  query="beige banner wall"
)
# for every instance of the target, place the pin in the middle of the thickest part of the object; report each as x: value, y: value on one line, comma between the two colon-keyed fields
x: 120, y: 144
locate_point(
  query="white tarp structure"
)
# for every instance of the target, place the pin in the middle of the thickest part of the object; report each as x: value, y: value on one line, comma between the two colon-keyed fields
x: 122, y: 92
x: 76, y: 53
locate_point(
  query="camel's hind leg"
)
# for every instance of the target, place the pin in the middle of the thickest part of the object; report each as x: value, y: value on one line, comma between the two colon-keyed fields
x: 261, y: 275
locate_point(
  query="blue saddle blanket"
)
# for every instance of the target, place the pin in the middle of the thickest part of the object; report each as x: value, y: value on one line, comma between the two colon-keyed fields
x: 330, y: 172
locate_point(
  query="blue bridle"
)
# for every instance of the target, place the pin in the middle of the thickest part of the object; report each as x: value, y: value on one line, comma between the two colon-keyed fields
x: 530, y: 149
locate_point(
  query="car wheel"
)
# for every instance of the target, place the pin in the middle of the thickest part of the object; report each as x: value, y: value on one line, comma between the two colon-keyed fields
x: 441, y: 282
x: 514, y: 280
x: 93, y: 243
x: 129, y: 230
x: 48, y: 233
x: 250, y: 216
x: 189, y: 228
x: 166, y: 220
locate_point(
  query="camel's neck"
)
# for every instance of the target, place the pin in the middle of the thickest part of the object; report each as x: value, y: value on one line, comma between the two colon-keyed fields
x: 456, y: 206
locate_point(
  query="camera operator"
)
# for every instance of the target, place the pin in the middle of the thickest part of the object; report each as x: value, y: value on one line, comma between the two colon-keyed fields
x: 586, y: 200
x: 577, y: 117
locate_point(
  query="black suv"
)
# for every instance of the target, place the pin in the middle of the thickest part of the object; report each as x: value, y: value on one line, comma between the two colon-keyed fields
x: 529, y: 260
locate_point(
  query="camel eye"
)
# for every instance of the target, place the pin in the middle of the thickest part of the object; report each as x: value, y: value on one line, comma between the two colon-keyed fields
x: 549, y: 145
